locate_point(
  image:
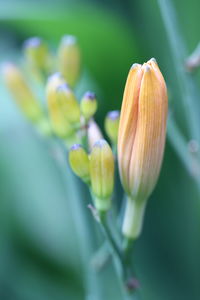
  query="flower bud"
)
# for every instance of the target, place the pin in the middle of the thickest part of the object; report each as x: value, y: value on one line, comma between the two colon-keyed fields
x: 141, y: 139
x: 102, y: 174
x: 59, y: 122
x: 69, y: 59
x: 22, y: 93
x: 79, y: 162
x: 68, y: 103
x: 93, y: 133
x: 88, y: 105
x: 37, y: 54
x: 112, y: 125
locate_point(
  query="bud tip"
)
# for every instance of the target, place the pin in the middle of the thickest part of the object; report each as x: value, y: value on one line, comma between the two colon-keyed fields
x: 63, y: 87
x: 75, y: 147
x: 100, y: 143
x: 89, y: 95
x: 69, y: 39
x: 153, y: 59
x: 33, y: 42
x: 135, y: 66
x: 113, y: 115
x: 147, y: 68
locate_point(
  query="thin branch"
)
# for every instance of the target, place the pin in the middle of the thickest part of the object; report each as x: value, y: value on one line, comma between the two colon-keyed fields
x: 188, y: 89
x: 180, y: 145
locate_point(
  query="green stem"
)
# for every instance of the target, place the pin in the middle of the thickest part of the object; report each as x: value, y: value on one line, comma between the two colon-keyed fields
x: 85, y: 231
x: 84, y: 137
x: 123, y: 269
x: 192, y: 62
x: 127, y: 249
x: 101, y: 257
x: 187, y: 87
x: 113, y: 245
x: 181, y: 147
x: 178, y: 142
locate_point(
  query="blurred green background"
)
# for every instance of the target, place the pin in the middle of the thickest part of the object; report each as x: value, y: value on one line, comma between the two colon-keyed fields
x: 42, y: 240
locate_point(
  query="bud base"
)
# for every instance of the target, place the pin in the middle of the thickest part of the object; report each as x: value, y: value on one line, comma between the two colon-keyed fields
x: 102, y: 205
x: 133, y: 218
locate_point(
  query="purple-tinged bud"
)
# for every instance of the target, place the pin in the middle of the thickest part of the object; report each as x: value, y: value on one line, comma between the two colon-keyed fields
x: 88, y: 105
x: 112, y: 125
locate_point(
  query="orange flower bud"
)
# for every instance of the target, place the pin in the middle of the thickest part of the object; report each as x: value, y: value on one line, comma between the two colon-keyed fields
x: 142, y: 132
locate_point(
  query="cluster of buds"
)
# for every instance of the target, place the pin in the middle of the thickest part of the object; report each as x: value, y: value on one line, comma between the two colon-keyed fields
x: 137, y: 134
x: 96, y: 168
x: 140, y: 131
x: 66, y: 115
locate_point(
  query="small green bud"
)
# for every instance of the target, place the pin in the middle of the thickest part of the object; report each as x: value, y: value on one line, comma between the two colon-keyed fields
x: 37, y: 54
x: 69, y: 59
x: 102, y: 174
x: 22, y: 93
x: 112, y: 125
x: 69, y: 105
x: 79, y: 162
x: 59, y: 122
x: 88, y: 105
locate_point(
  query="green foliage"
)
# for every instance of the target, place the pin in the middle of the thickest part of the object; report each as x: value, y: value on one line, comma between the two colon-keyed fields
x: 41, y: 234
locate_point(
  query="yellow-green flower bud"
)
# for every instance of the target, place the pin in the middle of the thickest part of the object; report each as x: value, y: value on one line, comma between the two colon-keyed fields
x: 59, y: 122
x: 102, y: 174
x: 79, y: 162
x: 112, y: 125
x: 93, y: 133
x: 21, y: 92
x: 37, y: 54
x: 88, y: 105
x: 68, y: 103
x: 69, y: 59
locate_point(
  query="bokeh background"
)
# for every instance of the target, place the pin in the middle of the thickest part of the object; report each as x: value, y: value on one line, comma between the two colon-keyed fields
x: 42, y: 240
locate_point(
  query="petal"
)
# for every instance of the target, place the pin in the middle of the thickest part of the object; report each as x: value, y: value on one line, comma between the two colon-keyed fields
x: 128, y: 122
x: 147, y: 151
